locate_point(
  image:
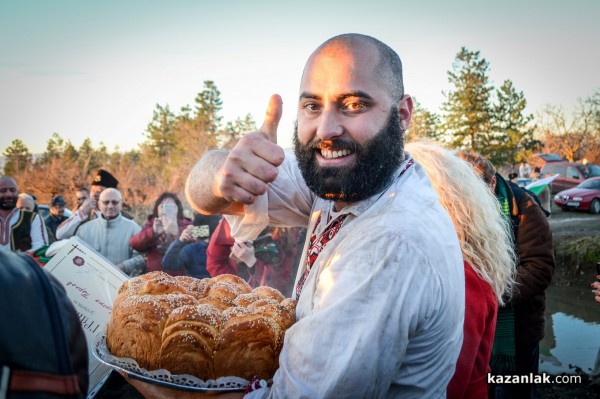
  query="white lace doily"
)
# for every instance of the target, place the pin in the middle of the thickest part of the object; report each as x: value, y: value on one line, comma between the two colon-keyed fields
x: 163, y: 377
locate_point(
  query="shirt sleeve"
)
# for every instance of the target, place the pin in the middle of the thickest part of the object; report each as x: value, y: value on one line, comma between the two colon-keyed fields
x: 68, y: 228
x: 217, y: 254
x: 38, y: 233
x: 288, y: 203
x: 535, y: 251
x: 145, y: 239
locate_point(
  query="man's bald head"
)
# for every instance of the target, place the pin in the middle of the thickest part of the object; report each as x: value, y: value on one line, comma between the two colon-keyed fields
x: 388, y: 69
x: 26, y: 202
x: 9, y: 193
x: 8, y: 180
x: 110, y: 203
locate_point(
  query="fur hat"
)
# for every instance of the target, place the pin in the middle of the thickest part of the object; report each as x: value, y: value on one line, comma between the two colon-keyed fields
x: 105, y: 179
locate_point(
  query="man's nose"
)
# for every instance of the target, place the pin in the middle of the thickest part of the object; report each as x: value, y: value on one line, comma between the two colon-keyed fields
x: 330, y: 125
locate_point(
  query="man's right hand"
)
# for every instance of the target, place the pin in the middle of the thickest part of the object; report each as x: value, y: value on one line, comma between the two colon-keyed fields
x: 186, y: 234
x: 252, y: 164
x: 88, y: 205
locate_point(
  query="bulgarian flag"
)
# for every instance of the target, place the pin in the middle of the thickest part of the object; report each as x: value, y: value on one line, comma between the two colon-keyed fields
x: 538, y: 186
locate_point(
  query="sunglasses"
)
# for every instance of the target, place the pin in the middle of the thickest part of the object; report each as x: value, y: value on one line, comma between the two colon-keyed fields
x: 114, y: 202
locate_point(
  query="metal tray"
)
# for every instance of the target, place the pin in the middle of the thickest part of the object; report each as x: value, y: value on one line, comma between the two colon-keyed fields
x: 163, y: 377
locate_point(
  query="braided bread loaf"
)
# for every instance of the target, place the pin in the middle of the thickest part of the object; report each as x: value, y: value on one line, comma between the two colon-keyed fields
x: 208, y: 328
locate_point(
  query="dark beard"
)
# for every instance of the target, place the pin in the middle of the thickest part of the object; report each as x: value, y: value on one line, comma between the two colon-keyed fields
x: 7, y: 205
x: 376, y: 163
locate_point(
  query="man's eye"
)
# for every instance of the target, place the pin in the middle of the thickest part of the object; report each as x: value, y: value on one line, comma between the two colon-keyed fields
x: 355, y: 106
x: 311, y: 107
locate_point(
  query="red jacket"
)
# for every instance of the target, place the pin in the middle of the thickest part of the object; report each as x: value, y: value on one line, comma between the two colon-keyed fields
x: 154, y: 247
x: 481, y: 305
x: 278, y: 276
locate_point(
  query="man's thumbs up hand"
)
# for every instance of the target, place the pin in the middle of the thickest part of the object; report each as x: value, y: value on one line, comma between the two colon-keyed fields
x: 252, y: 164
x: 272, y: 117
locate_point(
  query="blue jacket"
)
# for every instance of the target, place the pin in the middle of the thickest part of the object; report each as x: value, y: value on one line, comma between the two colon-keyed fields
x: 188, y: 256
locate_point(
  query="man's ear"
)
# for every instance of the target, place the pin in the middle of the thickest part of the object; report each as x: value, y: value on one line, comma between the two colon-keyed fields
x: 493, y: 183
x: 405, y: 109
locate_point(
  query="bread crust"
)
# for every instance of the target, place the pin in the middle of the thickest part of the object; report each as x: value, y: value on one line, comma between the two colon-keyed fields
x: 207, y: 328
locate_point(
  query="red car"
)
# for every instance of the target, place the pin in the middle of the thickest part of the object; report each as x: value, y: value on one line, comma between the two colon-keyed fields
x: 570, y: 174
x: 584, y: 197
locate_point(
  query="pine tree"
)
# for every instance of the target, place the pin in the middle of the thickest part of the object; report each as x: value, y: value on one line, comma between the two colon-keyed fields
x: 467, y: 107
x: 208, y: 106
x: 424, y: 124
x: 235, y: 130
x: 18, y: 158
x: 159, y: 133
x: 513, y: 134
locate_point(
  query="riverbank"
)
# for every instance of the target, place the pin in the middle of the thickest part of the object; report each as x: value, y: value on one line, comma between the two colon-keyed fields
x: 576, y: 238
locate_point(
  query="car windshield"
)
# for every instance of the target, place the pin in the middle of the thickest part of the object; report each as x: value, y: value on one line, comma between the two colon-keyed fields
x: 550, y: 157
x: 592, y: 184
x: 592, y: 170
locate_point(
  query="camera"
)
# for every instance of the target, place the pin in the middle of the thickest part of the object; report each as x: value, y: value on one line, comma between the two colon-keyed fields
x: 199, y: 231
x: 262, y: 240
x: 266, y: 250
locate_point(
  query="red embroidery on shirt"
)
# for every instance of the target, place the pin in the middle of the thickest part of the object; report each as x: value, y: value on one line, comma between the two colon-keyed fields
x: 316, y: 246
x: 5, y: 227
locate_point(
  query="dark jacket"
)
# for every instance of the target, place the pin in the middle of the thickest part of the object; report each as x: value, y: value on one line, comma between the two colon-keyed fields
x: 52, y: 222
x: 40, y: 332
x: 188, y: 257
x: 535, y: 268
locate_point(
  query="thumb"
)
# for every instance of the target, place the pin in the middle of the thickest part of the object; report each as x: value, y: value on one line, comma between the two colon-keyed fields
x: 274, y: 110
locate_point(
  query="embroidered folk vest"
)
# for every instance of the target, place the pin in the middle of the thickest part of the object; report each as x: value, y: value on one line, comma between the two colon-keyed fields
x: 20, y: 238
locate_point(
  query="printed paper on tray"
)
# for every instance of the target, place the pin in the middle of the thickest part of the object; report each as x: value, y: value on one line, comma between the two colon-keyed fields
x: 91, y: 282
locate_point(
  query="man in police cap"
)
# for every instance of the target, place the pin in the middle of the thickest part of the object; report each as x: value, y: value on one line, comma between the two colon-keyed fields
x: 89, y: 209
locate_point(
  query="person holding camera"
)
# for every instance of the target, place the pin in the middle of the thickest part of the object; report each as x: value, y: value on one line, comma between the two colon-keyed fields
x: 187, y: 254
x: 162, y: 227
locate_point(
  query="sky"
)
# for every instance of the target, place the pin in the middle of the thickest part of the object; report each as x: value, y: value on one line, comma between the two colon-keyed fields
x: 96, y: 70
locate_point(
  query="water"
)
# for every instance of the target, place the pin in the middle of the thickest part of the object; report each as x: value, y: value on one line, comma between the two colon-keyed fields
x: 572, y: 335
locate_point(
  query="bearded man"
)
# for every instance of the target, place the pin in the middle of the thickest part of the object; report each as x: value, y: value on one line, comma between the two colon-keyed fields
x: 20, y: 230
x: 380, y: 287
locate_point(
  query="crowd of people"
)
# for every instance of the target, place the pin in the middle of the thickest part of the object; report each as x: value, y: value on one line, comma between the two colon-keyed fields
x: 168, y: 241
x: 417, y: 271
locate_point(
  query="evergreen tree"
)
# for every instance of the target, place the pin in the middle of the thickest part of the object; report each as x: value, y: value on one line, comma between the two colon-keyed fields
x: 58, y: 148
x: 91, y: 158
x: 514, y: 136
x: 160, y: 139
x: 424, y: 124
x: 467, y: 107
x: 18, y: 158
x: 208, y: 106
x: 235, y: 130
